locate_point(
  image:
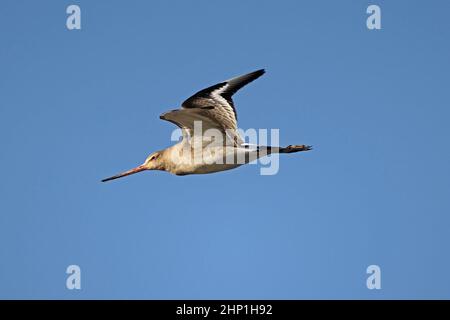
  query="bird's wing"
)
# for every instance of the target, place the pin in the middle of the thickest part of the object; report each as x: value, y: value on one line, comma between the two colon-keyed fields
x: 191, y: 121
x: 213, y: 106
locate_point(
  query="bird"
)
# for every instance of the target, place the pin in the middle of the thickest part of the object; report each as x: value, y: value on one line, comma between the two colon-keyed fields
x: 200, y: 152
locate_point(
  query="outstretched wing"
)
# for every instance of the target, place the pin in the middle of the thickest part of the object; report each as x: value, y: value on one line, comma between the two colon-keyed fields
x: 213, y: 106
x: 219, y: 97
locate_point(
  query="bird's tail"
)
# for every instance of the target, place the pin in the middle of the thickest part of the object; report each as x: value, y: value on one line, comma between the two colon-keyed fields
x: 294, y: 148
x: 266, y: 150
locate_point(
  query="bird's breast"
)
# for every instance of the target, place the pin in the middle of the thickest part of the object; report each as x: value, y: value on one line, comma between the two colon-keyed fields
x: 184, y: 161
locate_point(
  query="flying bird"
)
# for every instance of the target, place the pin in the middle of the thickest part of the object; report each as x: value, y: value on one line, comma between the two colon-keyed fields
x: 198, y: 152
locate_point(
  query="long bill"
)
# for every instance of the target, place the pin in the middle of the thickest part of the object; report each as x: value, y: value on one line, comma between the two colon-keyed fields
x: 126, y: 173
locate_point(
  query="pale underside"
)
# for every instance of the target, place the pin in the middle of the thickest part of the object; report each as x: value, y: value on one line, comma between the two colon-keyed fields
x: 186, y: 158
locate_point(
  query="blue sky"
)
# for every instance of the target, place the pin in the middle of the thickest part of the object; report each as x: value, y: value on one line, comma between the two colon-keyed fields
x: 78, y: 106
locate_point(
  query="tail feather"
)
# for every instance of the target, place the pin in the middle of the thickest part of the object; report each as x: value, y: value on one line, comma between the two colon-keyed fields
x: 295, y: 148
x: 266, y: 150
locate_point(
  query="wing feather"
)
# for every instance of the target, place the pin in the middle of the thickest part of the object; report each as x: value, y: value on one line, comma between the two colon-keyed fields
x: 213, y: 106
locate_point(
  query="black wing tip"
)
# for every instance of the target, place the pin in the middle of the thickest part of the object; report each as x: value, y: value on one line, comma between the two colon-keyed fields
x: 255, y: 74
x: 236, y: 84
x: 240, y: 81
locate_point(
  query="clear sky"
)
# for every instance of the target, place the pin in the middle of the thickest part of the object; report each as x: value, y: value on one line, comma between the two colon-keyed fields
x: 78, y: 106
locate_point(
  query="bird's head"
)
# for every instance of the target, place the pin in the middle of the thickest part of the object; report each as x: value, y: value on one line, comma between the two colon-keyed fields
x: 153, y: 162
